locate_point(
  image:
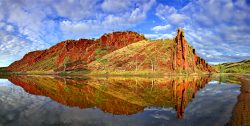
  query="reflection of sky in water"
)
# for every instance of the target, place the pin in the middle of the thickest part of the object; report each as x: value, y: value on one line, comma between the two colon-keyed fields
x: 212, y: 106
x: 5, y: 82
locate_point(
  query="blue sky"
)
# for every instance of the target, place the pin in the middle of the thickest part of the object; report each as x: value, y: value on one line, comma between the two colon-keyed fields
x: 218, y: 29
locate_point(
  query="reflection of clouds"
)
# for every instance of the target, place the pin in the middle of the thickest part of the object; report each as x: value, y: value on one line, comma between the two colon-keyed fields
x: 160, y: 113
x: 4, y: 82
x: 214, y: 102
x: 19, y: 107
x: 213, y: 82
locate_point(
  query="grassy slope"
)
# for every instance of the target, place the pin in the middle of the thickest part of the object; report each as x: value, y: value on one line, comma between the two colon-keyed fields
x: 237, y: 67
x: 139, y: 57
x: 133, y: 57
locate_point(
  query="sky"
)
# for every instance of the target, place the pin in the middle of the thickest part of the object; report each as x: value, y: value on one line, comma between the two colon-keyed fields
x: 219, y: 30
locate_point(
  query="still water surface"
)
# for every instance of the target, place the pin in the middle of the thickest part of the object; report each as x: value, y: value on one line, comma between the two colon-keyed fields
x: 118, y: 101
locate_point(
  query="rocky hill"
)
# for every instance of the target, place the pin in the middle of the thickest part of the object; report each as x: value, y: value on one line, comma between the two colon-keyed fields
x: 117, y: 51
x: 73, y: 52
x: 154, y: 55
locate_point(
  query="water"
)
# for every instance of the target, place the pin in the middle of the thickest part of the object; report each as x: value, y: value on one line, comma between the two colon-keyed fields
x: 119, y: 101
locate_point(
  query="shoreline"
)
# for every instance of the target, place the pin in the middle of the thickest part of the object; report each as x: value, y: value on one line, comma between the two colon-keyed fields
x: 241, y: 111
x: 104, y: 73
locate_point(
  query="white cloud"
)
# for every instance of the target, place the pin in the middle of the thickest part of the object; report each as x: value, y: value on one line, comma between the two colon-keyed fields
x: 140, y: 12
x: 123, y: 19
x: 2, y: 24
x: 176, y: 18
x: 164, y: 11
x: 112, y: 20
x: 9, y: 28
x: 161, y: 28
x: 160, y: 36
x: 81, y: 29
x: 42, y: 23
x: 116, y: 6
x: 227, y: 11
x: 13, y: 47
x: 75, y: 27
x: 219, y: 30
x: 170, y: 14
x: 75, y: 10
x: 136, y: 15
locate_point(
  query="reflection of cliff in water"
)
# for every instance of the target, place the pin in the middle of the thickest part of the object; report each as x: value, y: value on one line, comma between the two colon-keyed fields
x: 115, y: 95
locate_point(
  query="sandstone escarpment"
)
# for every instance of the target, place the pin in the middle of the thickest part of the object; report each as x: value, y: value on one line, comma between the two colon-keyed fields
x: 118, y: 51
x: 181, y: 52
x: 77, y: 52
x: 169, y: 55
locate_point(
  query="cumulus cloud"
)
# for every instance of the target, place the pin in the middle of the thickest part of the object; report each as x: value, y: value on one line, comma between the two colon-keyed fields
x: 122, y: 16
x: 76, y: 27
x: 161, y: 27
x: 75, y: 10
x: 116, y: 6
x: 170, y: 14
x: 42, y: 23
x: 177, y: 18
x: 218, y: 36
x: 46, y: 22
x: 13, y: 47
x: 9, y: 28
x: 140, y: 12
x: 79, y: 29
x: 160, y: 35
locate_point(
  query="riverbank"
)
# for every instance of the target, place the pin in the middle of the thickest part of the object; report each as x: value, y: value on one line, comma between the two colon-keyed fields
x: 241, y: 112
x: 107, y: 73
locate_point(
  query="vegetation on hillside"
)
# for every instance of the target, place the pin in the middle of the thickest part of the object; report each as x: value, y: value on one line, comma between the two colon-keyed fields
x: 67, y: 55
x: 4, y: 73
x: 146, y: 57
x: 234, y: 67
x: 115, y: 53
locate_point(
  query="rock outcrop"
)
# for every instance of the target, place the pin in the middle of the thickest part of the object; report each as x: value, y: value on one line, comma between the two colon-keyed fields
x: 118, y: 51
x: 180, y: 58
x: 181, y: 51
x: 71, y: 51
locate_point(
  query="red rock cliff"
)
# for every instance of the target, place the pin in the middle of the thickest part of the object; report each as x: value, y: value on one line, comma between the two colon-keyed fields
x: 182, y: 51
x: 81, y: 51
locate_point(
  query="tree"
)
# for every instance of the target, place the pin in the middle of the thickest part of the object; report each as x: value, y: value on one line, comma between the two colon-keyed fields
x: 151, y: 57
x: 65, y: 62
x: 221, y: 68
x: 134, y: 50
x: 153, y: 62
x: 99, y: 56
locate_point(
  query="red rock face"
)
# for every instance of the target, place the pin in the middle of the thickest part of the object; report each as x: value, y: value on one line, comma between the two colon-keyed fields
x: 78, y: 53
x: 118, y: 40
x: 195, y: 58
x: 180, y: 60
x: 75, y: 50
x: 181, y: 51
x: 27, y: 60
